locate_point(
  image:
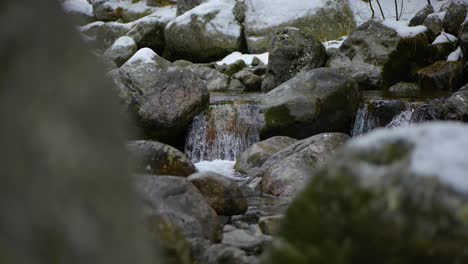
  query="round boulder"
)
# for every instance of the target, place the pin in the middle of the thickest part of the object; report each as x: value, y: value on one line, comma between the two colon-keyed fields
x: 122, y: 49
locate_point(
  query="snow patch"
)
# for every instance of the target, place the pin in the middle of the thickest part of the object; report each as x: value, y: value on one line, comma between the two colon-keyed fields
x: 439, y: 150
x: 223, y: 167
x: 78, y: 6
x: 456, y: 55
x: 144, y: 55
x: 247, y: 58
x: 402, y: 28
x: 444, y: 38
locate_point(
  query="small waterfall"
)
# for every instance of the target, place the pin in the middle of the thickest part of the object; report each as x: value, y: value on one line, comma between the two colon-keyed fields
x: 381, y: 113
x: 224, y: 132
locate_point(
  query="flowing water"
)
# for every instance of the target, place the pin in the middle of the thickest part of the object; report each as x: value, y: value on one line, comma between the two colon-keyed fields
x: 224, y: 131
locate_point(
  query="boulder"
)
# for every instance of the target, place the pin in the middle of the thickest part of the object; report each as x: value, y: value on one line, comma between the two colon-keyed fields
x: 80, y: 10
x: 287, y: 171
x: 270, y: 225
x: 206, y: 33
x: 441, y: 76
x: 122, y: 50
x: 252, y: 82
x: 244, y: 240
x: 421, y: 16
x: 159, y: 159
x: 455, y: 16
x: 323, y: 18
x: 179, y: 201
x: 126, y: 11
x: 186, y: 5
x: 313, y: 102
x: 235, y: 67
x: 236, y: 85
x: 404, y: 187
x: 220, y: 253
x: 403, y: 89
x: 376, y: 55
x: 429, y: 111
x: 456, y: 106
x: 163, y: 98
x: 435, y: 23
x: 104, y: 34
x: 464, y: 39
x: 250, y: 162
x: 215, y: 81
x: 222, y: 193
x: 292, y: 51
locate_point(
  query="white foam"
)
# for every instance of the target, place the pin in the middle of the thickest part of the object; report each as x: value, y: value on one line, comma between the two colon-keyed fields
x: 223, y: 167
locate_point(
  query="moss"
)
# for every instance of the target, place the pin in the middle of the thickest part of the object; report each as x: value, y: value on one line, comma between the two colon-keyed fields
x: 389, y: 154
x: 410, y: 55
x: 277, y: 116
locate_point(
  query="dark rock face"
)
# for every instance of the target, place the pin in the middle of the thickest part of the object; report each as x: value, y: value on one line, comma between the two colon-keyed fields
x: 164, y: 98
x: 421, y: 16
x: 456, y: 14
x: 313, y: 102
x: 66, y: 192
x: 159, y: 159
x: 223, y: 194
x: 292, y: 51
x: 179, y: 201
x: 384, y: 188
x: 441, y: 76
x: 287, y: 171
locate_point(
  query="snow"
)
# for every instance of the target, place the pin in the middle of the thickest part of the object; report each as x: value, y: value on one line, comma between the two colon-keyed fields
x: 78, y: 6
x: 144, y: 55
x: 247, y: 58
x: 456, y: 55
x: 124, y: 41
x: 261, y: 14
x: 223, y: 21
x: 439, y: 150
x: 335, y: 43
x: 444, y: 38
x: 401, y: 27
x: 223, y: 167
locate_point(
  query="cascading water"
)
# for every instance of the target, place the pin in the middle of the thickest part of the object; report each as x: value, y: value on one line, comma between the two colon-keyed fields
x: 224, y: 132
x: 402, y: 119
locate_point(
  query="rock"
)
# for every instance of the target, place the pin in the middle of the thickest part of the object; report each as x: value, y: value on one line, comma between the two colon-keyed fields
x: 464, y: 39
x: 206, y: 33
x: 104, y: 34
x: 454, y: 17
x: 234, y: 68
x: 375, y: 55
x: 270, y: 225
x: 440, y: 51
x: 179, y: 201
x: 258, y: 70
x: 250, y: 162
x: 456, y: 106
x: 164, y: 98
x: 441, y: 76
x: 236, y: 85
x: 79, y: 10
x: 435, y: 23
x: 241, y: 239
x: 215, y: 81
x: 430, y: 111
x: 317, y: 18
x: 292, y: 51
x: 256, y: 61
x: 287, y: 171
x: 225, y: 254
x: 182, y: 63
x: 404, y: 186
x: 313, y: 102
x: 421, y: 16
x: 122, y: 49
x: 66, y: 194
x: 186, y: 5
x: 403, y: 89
x: 252, y: 82
x: 107, y: 10
x: 113, y: 10
x: 223, y: 194
x: 159, y: 159
x: 148, y: 32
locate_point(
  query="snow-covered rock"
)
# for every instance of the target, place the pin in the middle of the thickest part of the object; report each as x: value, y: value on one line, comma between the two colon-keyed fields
x: 80, y: 10
x: 122, y: 49
x: 126, y: 10
x: 206, y: 33
x: 324, y: 19
x: 247, y: 58
x: 103, y: 34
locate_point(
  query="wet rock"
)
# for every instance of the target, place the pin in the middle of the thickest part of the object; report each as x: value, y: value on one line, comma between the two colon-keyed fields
x: 179, y: 201
x: 313, y: 102
x: 251, y: 161
x: 164, y: 98
x: 456, y: 14
x: 159, y: 159
x: 375, y: 55
x: 421, y: 16
x: 287, y: 171
x: 206, y: 33
x: 292, y: 51
x: 404, y: 185
x: 441, y: 76
x: 318, y: 18
x: 215, y: 81
x: 223, y: 194
x: 122, y: 50
x: 402, y: 89
x: 270, y: 225
x: 430, y: 111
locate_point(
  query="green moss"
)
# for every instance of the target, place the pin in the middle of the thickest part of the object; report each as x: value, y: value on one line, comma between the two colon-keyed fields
x: 278, y: 116
x: 387, y: 155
